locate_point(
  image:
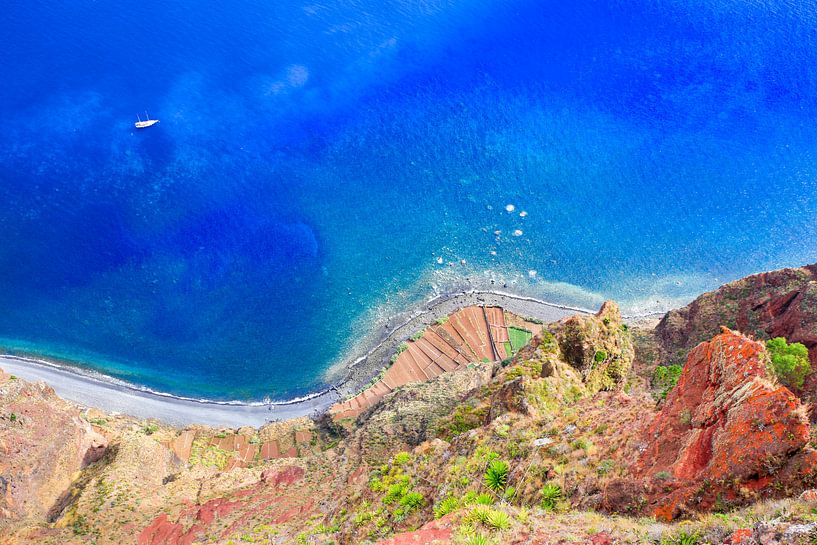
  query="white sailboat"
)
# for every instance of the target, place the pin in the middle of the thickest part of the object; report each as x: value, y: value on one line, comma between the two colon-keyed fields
x: 148, y: 122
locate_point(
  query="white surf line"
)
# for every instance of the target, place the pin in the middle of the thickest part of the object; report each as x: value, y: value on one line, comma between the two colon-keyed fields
x: 95, y: 389
x: 113, y: 397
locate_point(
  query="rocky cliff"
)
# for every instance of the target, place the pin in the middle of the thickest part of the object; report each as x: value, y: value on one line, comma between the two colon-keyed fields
x: 561, y: 444
x: 771, y: 304
x: 727, y: 435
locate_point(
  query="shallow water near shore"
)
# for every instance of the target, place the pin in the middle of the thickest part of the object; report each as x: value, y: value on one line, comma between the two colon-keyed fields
x: 320, y: 167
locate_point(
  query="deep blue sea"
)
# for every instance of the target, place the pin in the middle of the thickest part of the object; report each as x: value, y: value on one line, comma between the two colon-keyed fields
x: 322, y: 164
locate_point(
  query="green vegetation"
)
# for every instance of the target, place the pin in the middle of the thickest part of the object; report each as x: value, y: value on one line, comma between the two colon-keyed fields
x: 789, y: 362
x: 447, y: 505
x: 551, y: 494
x: 484, y: 499
x: 681, y: 538
x: 394, y: 485
x: 518, y: 337
x: 664, y: 379
x: 401, y: 458
x: 412, y: 501
x: 150, y: 428
x: 600, y: 356
x: 418, y: 335
x: 496, y: 476
x: 477, y: 539
x: 498, y: 520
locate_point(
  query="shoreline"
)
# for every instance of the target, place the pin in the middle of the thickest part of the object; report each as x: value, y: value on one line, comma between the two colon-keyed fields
x: 92, y: 389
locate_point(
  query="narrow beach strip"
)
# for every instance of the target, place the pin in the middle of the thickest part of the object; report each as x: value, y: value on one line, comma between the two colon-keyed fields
x: 74, y: 384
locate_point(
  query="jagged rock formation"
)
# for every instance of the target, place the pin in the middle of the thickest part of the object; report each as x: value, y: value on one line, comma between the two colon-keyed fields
x: 727, y: 435
x: 599, y: 346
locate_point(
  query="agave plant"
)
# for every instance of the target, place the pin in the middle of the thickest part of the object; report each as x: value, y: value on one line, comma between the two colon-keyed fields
x: 498, y: 520
x: 496, y: 476
x: 478, y: 539
x: 446, y: 506
x: 551, y: 493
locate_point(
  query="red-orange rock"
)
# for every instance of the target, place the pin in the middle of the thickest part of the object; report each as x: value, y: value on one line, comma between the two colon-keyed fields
x: 809, y: 495
x: 43, y: 443
x: 739, y: 536
x: 436, y: 532
x: 725, y: 428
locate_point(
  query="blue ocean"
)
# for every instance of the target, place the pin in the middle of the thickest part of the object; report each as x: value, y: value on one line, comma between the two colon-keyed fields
x: 321, y: 165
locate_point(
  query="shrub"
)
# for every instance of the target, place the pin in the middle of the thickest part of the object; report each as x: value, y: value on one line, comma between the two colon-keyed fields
x: 790, y: 362
x: 480, y: 513
x: 551, y: 494
x: 484, y: 499
x: 664, y: 379
x: 496, y: 476
x: 498, y: 520
x: 401, y: 458
x: 605, y: 467
x: 394, y: 493
x: 600, y: 356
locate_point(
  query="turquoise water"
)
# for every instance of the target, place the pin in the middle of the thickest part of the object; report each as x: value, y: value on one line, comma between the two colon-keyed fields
x: 320, y: 166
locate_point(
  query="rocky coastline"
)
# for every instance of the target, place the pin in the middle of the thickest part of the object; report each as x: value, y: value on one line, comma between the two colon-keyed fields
x: 102, y: 392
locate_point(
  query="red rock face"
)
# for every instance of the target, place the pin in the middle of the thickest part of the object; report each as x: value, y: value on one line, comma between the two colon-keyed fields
x: 725, y: 427
x: 270, y: 498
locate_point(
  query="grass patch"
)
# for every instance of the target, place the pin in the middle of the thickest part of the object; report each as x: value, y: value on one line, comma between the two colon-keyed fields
x: 518, y: 337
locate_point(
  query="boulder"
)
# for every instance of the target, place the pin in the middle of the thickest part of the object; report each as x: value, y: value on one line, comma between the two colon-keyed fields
x: 511, y: 397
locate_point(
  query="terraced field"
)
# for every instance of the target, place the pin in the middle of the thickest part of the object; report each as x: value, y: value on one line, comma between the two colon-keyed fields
x: 469, y: 335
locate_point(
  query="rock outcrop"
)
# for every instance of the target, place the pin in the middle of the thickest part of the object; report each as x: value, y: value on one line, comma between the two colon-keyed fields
x: 43, y: 444
x: 772, y: 304
x: 726, y: 435
x: 407, y: 417
x: 599, y: 346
